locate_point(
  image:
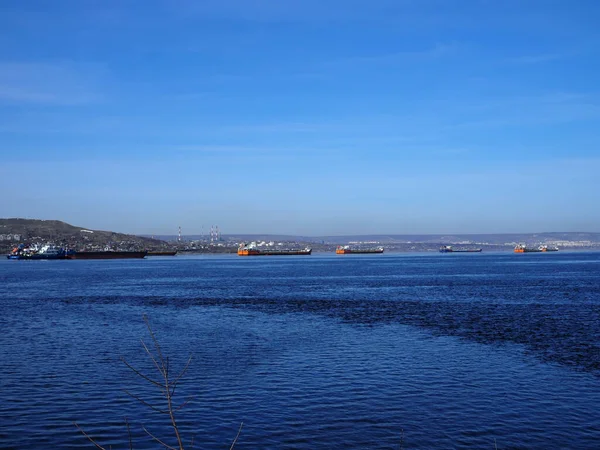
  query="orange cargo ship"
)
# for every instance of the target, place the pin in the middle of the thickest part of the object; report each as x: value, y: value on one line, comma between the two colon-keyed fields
x: 346, y: 249
x: 521, y: 248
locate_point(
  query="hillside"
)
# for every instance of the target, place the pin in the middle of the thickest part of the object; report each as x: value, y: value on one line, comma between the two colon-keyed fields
x: 14, y: 231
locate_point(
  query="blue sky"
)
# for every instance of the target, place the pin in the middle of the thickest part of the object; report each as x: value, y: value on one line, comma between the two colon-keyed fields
x: 302, y: 116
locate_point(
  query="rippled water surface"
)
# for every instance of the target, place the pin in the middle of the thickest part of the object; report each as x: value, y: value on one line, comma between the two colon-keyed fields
x: 317, y: 352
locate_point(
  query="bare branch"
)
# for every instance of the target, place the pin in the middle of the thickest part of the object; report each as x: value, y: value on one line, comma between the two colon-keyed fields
x: 129, y: 434
x: 164, y: 371
x: 89, y: 437
x: 172, y: 413
x: 182, y: 373
x: 237, y: 436
x: 154, y: 340
x: 144, y: 402
x: 137, y: 372
x: 184, y: 403
x: 167, y: 387
x: 158, y: 440
x: 152, y: 357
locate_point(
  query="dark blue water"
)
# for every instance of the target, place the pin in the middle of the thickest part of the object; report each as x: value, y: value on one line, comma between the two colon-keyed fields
x: 319, y: 352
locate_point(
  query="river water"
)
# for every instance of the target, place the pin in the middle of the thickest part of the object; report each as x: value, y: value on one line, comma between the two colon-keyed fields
x: 310, y: 352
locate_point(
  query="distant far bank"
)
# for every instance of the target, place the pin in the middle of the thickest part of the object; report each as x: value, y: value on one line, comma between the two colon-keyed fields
x: 16, y: 231
x: 421, y: 242
x: 493, y: 238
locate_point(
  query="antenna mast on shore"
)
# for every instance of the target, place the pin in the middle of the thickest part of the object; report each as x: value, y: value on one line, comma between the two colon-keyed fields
x: 179, y: 236
x: 215, y: 235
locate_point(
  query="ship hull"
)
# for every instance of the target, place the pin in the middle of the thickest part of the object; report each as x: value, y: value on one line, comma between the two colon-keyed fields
x: 36, y: 257
x: 40, y: 257
x: 107, y: 255
x: 162, y: 253
x: 477, y: 250
x: 348, y: 251
x: 253, y: 252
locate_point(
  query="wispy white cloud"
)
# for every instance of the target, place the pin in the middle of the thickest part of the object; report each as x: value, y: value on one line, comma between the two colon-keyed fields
x: 62, y: 83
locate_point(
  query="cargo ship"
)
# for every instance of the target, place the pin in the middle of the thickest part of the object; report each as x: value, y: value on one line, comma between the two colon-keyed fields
x: 346, y: 249
x: 107, y: 254
x: 449, y: 249
x: 162, y: 253
x: 522, y: 248
x: 253, y: 250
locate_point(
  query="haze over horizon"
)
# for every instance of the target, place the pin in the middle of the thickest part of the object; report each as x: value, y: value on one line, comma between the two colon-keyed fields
x: 303, y: 117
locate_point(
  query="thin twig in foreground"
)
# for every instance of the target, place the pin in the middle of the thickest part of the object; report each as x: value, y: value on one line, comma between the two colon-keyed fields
x: 237, y: 436
x: 129, y: 434
x: 89, y: 437
x: 158, y: 440
x: 144, y: 402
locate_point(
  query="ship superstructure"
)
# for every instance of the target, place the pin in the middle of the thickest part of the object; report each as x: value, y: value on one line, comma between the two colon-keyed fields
x: 47, y: 251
